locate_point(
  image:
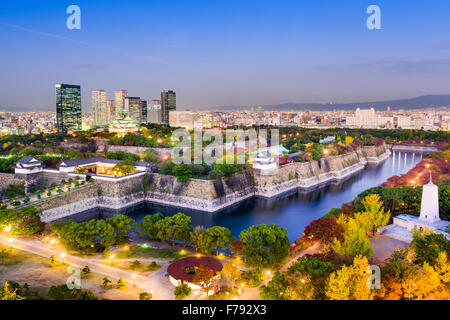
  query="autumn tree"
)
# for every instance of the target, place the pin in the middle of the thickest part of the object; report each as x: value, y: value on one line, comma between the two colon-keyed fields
x: 9, y: 293
x: 231, y: 272
x: 203, y: 277
x: 323, y: 230
x: 350, y: 283
x: 374, y: 214
x: 355, y: 241
x: 237, y: 248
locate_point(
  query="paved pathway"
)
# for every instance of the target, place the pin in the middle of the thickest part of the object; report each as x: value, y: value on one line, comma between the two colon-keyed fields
x: 156, y: 283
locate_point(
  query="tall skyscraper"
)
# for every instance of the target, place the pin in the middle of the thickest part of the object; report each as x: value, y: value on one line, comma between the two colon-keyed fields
x: 99, y: 104
x: 154, y: 111
x: 134, y: 107
x: 168, y: 103
x: 144, y: 111
x: 68, y: 107
x: 119, y: 97
x: 111, y: 110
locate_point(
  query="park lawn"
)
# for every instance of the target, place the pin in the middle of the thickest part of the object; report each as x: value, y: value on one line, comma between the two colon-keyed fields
x: 23, y: 267
x: 146, y: 252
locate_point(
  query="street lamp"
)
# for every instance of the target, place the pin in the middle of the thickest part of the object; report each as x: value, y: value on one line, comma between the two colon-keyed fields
x: 111, y: 257
x: 8, y: 228
x: 63, y: 255
x: 11, y: 240
x: 134, y: 277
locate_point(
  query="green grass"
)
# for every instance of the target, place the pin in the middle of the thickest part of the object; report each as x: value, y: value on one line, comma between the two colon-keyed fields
x: 142, y: 252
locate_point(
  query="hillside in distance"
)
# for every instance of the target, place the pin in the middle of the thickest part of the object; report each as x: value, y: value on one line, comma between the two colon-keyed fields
x: 427, y: 101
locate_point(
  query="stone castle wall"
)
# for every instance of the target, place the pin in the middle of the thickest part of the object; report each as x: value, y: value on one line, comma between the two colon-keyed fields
x: 206, y: 195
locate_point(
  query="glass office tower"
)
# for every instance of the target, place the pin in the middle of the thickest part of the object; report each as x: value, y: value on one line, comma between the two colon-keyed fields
x: 168, y: 103
x: 68, y: 107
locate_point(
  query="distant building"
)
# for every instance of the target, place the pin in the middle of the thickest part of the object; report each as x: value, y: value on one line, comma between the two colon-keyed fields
x: 184, y: 119
x: 134, y: 107
x: 119, y: 99
x: 363, y: 118
x: 110, y: 110
x: 144, y: 111
x: 100, y: 106
x: 403, y: 122
x: 154, y: 111
x: 168, y: 103
x: 68, y: 107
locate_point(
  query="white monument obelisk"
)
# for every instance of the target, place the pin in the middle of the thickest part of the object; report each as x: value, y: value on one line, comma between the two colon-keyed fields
x: 429, y: 210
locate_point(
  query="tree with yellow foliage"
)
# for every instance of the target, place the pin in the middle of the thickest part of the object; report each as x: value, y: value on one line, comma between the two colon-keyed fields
x: 231, y: 272
x: 374, y: 216
x: 348, y: 140
x: 350, y: 283
x: 355, y: 241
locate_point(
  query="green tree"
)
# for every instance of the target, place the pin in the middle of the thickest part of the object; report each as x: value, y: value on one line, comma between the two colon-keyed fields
x: 428, y: 245
x: 106, y: 282
x: 125, y: 167
x: 121, y: 283
x: 276, y: 289
x: 148, y: 225
x: 265, y: 246
x: 218, y: 237
x: 135, y: 264
x: 176, y: 227
x: 182, y: 292
x: 145, y: 296
x: 182, y: 172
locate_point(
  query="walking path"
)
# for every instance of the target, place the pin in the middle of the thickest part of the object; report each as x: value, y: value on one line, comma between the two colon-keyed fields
x: 156, y: 283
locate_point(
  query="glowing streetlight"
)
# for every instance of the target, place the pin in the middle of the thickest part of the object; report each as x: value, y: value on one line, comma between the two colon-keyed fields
x: 111, y: 257
x: 63, y: 255
x: 134, y: 277
x: 11, y: 240
x: 8, y: 228
x: 52, y: 242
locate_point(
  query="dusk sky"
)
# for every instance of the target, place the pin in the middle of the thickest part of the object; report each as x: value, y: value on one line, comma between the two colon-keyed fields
x: 221, y: 53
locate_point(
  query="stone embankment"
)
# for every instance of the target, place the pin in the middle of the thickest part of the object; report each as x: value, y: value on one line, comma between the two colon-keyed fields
x: 208, y: 195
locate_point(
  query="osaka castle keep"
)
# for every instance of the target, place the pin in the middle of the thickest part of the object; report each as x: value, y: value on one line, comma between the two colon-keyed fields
x: 429, y: 217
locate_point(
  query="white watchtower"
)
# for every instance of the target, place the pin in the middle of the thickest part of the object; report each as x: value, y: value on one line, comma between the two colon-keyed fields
x: 429, y: 210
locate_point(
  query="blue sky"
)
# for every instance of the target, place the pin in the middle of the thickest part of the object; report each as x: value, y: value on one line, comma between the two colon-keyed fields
x: 216, y: 53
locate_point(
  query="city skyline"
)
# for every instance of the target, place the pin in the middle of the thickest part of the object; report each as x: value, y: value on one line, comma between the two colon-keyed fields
x: 213, y: 54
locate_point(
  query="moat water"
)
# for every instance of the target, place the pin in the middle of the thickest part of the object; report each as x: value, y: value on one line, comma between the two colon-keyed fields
x: 296, y: 210
x: 293, y: 211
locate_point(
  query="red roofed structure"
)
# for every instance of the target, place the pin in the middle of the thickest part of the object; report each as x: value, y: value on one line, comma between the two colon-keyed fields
x: 179, y: 270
